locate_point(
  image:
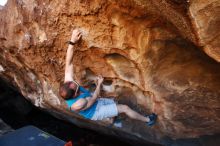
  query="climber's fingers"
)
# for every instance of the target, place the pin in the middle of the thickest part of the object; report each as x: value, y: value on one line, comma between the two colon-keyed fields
x: 76, y: 34
x: 79, y: 35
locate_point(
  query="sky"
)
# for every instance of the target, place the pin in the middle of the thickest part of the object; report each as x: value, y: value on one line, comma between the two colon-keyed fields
x: 3, y: 2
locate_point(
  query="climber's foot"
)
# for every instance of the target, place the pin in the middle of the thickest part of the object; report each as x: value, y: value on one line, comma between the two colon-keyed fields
x: 117, y: 123
x: 153, y: 118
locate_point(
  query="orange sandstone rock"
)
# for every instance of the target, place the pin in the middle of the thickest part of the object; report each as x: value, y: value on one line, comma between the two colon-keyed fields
x: 150, y: 53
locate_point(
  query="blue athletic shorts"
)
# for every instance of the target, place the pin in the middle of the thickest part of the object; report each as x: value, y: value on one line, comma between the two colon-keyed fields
x: 106, y: 108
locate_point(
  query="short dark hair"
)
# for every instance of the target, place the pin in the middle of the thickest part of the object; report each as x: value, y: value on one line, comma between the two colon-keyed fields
x: 65, y: 91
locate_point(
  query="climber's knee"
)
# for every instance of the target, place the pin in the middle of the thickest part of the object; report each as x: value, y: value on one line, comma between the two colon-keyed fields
x: 122, y: 108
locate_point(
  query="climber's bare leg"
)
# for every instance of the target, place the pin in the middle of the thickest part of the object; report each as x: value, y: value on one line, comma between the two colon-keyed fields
x: 108, y: 120
x: 131, y: 113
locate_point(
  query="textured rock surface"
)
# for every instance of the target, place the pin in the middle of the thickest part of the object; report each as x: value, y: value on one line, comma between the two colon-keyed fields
x: 150, y: 52
x: 4, y: 128
x: 206, y: 21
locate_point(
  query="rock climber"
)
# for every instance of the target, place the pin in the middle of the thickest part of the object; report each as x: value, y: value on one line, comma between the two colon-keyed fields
x: 88, y: 105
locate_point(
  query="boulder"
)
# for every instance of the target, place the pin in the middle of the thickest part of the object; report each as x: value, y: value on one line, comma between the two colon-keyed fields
x: 156, y: 56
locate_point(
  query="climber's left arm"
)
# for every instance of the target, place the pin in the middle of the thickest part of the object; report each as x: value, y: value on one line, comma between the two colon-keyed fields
x: 69, y: 55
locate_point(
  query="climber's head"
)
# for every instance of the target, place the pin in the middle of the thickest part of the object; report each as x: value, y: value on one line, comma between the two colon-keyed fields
x: 69, y: 89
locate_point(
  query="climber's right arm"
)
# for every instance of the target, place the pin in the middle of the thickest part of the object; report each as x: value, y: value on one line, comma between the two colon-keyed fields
x: 91, y: 100
x: 69, y: 55
x: 85, y: 103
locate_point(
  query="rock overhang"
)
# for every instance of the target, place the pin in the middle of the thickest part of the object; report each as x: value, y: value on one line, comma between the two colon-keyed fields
x: 151, y: 51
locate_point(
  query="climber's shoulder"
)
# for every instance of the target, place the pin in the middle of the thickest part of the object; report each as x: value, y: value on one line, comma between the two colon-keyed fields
x: 79, y: 104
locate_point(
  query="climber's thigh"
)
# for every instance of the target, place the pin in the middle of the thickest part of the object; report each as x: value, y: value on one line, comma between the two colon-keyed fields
x: 104, y: 110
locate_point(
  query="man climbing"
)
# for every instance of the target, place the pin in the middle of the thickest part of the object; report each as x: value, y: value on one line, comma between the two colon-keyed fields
x: 89, y: 105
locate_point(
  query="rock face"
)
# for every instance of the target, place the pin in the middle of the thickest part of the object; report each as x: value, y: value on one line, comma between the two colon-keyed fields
x: 206, y: 20
x: 156, y: 56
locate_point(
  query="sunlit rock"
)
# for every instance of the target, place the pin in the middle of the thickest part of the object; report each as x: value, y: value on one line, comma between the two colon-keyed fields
x: 155, y: 56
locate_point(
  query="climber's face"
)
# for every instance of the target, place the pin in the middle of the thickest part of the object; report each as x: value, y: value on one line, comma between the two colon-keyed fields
x: 75, y: 86
x: 69, y: 89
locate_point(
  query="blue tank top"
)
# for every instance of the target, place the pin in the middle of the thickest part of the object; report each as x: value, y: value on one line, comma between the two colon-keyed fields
x: 88, y: 113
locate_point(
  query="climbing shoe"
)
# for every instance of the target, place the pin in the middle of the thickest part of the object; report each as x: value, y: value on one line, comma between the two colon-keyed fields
x: 153, y: 118
x: 117, y: 123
